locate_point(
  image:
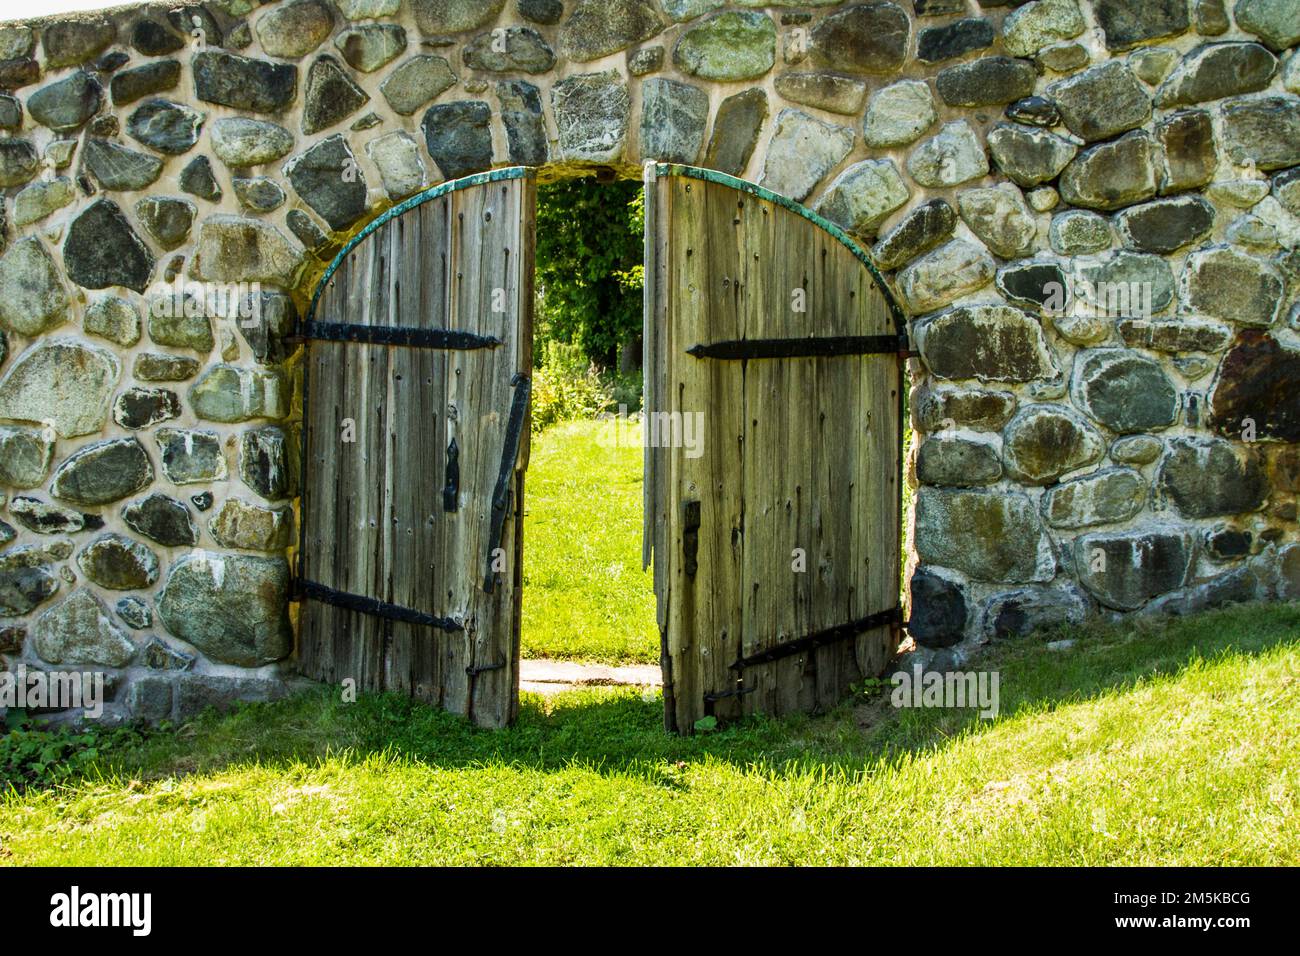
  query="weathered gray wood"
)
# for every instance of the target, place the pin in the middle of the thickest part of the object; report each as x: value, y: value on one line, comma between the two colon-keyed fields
x: 374, y: 520
x: 800, y: 454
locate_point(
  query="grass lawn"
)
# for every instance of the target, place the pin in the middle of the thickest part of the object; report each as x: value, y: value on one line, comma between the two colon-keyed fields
x: 585, y: 595
x: 1164, y: 743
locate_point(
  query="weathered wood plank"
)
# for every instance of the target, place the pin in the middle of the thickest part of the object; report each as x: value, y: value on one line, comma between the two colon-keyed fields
x: 816, y: 452
x: 373, y: 511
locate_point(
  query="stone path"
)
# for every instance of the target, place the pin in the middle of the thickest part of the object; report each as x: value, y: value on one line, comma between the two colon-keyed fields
x: 553, y: 677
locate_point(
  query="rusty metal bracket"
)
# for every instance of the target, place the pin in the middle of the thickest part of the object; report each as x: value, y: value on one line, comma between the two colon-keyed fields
x: 397, y: 335
x: 807, y: 347
x: 314, y: 591
x: 451, y: 490
x: 509, y: 455
x: 831, y: 635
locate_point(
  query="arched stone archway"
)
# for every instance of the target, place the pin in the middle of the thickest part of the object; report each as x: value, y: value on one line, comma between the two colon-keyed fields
x: 1089, y: 210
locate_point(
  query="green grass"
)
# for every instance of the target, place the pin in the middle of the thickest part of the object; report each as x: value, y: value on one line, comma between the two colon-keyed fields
x: 585, y: 595
x: 1170, y: 743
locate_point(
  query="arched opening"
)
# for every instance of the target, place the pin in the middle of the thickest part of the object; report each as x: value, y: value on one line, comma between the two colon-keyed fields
x: 770, y: 450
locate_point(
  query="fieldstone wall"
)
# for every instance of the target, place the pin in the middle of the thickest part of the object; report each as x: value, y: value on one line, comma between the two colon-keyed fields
x: 1088, y: 208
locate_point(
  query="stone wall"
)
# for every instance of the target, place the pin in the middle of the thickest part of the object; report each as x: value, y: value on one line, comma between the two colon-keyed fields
x: 176, y: 177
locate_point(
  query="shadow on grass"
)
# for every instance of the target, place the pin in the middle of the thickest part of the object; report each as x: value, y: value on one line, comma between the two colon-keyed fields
x: 622, y: 731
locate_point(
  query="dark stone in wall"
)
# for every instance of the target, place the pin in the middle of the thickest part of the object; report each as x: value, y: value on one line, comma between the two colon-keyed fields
x: 1206, y: 477
x: 988, y: 81
x: 182, y: 20
x: 166, y: 219
x: 18, y: 163
x: 955, y: 39
x: 459, y: 137
x: 258, y: 194
x: 157, y: 367
x: 596, y: 28
x: 134, y: 613
x: 242, y: 83
x: 673, y: 118
x: 1032, y: 283
x: 329, y: 180
x: 190, y: 456
x: 1165, y: 224
x: 331, y: 95
x: 735, y: 131
x: 131, y: 85
x: 103, y: 472
x: 23, y: 588
x: 1189, y: 156
x: 1211, y: 17
x: 15, y: 74
x: 546, y: 12
x: 1114, y: 174
x: 153, y: 39
x: 165, y: 126
x: 1125, y: 391
x: 957, y: 462
x: 938, y: 610
x: 117, y: 168
x: 66, y: 104
x: 525, y: 52
x: 69, y: 42
x: 1215, y: 70
x: 274, y: 317
x: 521, y: 113
x: 11, y: 112
x: 140, y: 407
x: 1126, y: 570
x: 1102, y: 102
x: 161, y: 519
x: 1035, y: 111
x: 265, y: 462
x: 1257, y: 380
x: 1263, y: 130
x: 103, y: 250
x: 1130, y: 22
x: 197, y: 179
x: 988, y: 342
x: 116, y: 562
x: 870, y: 37
x: 305, y: 228
x: 1225, y: 542
x: 919, y: 231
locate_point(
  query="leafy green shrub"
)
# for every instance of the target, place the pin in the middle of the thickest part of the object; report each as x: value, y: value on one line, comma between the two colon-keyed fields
x: 567, y: 388
x: 34, y: 758
x: 589, y: 272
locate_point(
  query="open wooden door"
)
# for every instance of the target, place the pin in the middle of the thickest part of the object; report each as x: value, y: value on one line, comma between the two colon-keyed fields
x: 773, y: 363
x: 415, y: 440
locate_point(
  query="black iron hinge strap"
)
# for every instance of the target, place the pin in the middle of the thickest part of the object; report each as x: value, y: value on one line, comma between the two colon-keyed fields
x: 313, y: 591
x: 831, y: 635
x: 808, y: 347
x: 397, y: 335
x: 509, y: 455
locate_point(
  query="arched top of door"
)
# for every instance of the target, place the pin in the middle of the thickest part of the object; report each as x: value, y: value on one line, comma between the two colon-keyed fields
x: 821, y: 222
x: 406, y: 205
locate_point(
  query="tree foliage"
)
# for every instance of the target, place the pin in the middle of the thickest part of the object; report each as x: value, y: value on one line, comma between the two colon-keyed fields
x: 589, y: 267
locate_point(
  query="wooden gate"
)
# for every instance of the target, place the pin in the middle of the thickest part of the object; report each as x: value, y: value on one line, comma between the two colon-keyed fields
x: 415, y: 440
x: 773, y: 361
